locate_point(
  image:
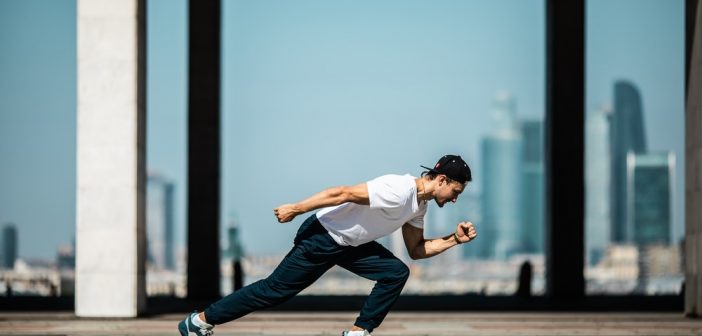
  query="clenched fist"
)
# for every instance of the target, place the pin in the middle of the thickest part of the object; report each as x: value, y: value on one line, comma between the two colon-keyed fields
x: 465, y: 232
x: 286, y: 212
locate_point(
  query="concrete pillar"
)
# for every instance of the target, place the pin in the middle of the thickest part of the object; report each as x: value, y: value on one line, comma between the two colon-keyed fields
x: 110, y: 221
x: 693, y: 162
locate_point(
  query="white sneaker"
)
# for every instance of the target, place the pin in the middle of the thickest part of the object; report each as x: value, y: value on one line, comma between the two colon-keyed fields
x: 186, y: 327
x: 355, y: 333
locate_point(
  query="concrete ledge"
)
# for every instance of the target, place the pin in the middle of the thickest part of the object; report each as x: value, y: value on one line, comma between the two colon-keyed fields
x: 157, y: 305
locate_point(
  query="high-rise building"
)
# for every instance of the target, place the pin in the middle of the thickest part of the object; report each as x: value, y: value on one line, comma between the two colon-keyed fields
x: 597, y: 183
x: 160, y: 222
x: 627, y: 134
x: 650, y: 182
x: 9, y: 246
x: 532, y: 198
x: 66, y: 256
x: 501, y: 154
x: 235, y: 251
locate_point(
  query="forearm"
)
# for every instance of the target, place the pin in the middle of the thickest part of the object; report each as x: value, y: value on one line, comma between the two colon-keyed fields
x: 431, y: 247
x: 328, y: 197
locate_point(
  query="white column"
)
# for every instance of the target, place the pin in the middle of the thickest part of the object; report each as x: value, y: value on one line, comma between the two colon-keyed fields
x: 693, y: 176
x: 110, y: 275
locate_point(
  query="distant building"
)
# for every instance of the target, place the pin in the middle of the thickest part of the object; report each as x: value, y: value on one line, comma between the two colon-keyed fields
x: 627, y: 134
x: 663, y: 261
x: 66, y: 257
x: 650, y: 183
x: 501, y: 153
x: 235, y: 251
x: 9, y: 246
x: 532, y: 198
x: 160, y: 222
x: 598, y: 216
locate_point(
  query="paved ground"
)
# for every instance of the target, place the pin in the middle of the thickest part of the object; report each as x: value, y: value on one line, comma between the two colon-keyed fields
x: 401, y: 323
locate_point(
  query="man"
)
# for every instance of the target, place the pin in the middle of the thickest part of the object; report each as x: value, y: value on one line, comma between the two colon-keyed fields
x: 343, y: 232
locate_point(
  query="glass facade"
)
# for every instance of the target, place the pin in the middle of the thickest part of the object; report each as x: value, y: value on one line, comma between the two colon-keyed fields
x: 634, y: 133
x: 166, y: 184
x: 37, y: 147
x: 319, y: 94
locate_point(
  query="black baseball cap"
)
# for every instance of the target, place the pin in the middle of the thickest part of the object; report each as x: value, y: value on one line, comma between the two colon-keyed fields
x: 453, y: 167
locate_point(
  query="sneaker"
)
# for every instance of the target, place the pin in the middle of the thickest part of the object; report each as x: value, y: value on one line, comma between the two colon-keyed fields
x: 188, y: 328
x: 355, y: 333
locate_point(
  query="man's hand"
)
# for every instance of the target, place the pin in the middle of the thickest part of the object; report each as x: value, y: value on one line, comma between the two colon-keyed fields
x: 286, y: 212
x: 465, y: 232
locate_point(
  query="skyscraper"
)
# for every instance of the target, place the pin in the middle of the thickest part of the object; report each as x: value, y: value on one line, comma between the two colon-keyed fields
x: 160, y: 222
x: 501, y: 154
x: 9, y: 246
x: 235, y: 251
x: 649, y: 209
x: 650, y: 182
x: 597, y: 183
x: 533, y: 186
x: 627, y: 134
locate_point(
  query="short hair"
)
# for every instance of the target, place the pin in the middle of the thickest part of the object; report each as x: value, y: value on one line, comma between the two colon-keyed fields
x: 431, y: 175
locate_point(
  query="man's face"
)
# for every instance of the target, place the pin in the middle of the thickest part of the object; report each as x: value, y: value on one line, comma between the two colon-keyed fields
x: 447, y: 191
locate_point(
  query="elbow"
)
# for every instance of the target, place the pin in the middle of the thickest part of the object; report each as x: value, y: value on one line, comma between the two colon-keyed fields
x: 415, y: 256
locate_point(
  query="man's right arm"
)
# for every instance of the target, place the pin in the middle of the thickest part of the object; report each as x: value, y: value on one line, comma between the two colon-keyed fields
x: 333, y: 196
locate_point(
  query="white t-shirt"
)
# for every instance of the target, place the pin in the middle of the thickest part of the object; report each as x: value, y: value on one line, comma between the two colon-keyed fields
x: 393, y: 202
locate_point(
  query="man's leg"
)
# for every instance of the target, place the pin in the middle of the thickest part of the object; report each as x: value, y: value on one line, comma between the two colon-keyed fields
x: 313, y: 254
x: 373, y: 261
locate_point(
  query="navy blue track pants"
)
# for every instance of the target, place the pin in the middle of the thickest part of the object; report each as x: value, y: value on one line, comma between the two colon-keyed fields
x: 314, y: 253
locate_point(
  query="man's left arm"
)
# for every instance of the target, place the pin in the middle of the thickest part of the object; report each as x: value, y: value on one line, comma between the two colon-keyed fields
x: 419, y: 248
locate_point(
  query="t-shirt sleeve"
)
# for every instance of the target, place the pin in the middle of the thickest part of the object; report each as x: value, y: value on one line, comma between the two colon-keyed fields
x: 386, y: 192
x: 418, y: 221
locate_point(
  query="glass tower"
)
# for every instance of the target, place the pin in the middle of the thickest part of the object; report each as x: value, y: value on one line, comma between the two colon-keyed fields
x: 597, y: 183
x: 160, y: 222
x: 533, y: 186
x: 9, y: 246
x: 650, y: 180
x: 501, y: 183
x: 627, y: 134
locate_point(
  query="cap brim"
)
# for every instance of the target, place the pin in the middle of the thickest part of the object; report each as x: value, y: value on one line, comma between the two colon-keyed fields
x: 430, y: 169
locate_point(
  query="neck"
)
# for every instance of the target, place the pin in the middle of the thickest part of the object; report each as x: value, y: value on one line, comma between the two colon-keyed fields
x: 423, y: 193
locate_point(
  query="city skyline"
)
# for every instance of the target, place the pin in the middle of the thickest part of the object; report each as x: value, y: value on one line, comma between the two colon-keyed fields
x: 295, y: 92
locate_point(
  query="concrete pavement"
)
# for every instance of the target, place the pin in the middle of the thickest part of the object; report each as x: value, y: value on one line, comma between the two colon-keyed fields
x: 400, y: 323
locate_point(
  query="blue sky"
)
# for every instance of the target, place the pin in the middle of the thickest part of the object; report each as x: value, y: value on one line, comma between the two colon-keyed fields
x: 316, y: 94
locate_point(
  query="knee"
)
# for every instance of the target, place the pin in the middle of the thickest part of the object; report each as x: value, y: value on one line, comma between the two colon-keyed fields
x: 276, y: 288
x: 399, y: 272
